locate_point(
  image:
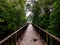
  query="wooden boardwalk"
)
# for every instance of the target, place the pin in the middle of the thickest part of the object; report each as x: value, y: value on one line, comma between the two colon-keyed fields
x: 31, y: 37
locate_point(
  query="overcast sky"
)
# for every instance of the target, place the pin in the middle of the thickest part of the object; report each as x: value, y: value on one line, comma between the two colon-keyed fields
x: 27, y: 11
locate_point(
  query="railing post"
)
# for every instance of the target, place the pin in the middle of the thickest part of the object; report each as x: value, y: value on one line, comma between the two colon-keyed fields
x: 9, y: 41
x: 54, y: 43
x: 17, y: 37
x: 14, y: 40
x: 47, y: 39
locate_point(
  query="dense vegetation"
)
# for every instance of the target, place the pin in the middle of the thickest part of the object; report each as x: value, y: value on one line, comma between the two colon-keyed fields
x: 46, y: 14
x: 12, y: 15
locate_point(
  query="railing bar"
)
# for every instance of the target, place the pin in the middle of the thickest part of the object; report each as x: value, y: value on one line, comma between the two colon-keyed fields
x: 48, y: 33
x: 51, y: 35
x: 12, y: 34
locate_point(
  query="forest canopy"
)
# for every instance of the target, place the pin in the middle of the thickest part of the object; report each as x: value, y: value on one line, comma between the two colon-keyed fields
x: 46, y: 14
x: 12, y: 15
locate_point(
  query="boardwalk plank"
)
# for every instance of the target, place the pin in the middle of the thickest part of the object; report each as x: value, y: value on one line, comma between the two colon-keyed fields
x: 31, y: 37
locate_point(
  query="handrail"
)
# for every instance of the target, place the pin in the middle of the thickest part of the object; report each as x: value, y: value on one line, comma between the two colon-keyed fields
x: 12, y: 34
x: 47, y: 34
x: 50, y: 34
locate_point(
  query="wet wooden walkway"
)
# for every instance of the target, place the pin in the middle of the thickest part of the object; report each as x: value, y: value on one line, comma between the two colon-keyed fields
x: 31, y: 37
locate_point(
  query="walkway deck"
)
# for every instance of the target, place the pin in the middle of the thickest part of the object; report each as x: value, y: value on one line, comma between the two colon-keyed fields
x: 31, y: 37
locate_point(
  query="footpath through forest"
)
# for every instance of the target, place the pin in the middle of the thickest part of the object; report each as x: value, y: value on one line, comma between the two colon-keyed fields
x: 31, y: 37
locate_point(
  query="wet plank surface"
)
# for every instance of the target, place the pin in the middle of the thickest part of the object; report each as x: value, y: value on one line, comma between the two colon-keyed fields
x: 31, y: 37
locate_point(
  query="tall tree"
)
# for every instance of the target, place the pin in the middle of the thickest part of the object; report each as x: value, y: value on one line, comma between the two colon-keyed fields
x: 12, y: 15
x: 46, y: 14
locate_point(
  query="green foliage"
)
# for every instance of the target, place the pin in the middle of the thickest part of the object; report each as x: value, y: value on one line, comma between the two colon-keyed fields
x: 36, y: 11
x: 55, y: 18
x: 12, y: 15
x: 48, y: 20
x: 38, y: 17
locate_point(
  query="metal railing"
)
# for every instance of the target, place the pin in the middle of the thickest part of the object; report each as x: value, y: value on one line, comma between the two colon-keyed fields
x: 48, y: 38
x: 14, y: 37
